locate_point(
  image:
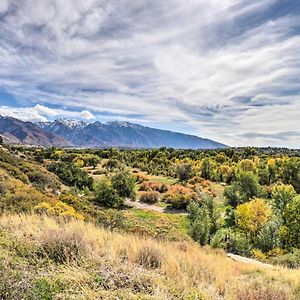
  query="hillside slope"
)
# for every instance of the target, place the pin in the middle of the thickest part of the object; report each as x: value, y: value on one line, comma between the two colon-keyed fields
x: 15, y: 131
x: 47, y: 258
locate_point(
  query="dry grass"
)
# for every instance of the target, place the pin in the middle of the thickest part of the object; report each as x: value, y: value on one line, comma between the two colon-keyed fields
x: 79, y: 258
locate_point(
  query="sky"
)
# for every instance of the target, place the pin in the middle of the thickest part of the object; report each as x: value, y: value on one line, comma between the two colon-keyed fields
x: 226, y: 70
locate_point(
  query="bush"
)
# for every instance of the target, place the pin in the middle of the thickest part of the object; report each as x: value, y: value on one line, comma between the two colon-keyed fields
x: 150, y: 197
x: 290, y: 260
x: 231, y: 241
x: 111, y: 219
x: 184, y: 172
x: 179, y: 197
x: 153, y: 186
x: 254, y: 292
x: 58, y: 209
x: 2, y: 189
x: 150, y: 257
x: 72, y: 175
x: 42, y: 180
x: 107, y: 196
x: 62, y: 247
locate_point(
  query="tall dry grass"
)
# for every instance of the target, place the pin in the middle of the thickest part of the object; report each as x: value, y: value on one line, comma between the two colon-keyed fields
x: 161, y: 270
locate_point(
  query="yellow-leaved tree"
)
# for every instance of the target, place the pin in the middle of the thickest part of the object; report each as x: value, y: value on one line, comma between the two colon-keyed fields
x: 252, y: 215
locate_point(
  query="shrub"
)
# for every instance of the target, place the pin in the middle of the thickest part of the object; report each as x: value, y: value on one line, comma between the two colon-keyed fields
x: 61, y: 246
x: 139, y: 177
x: 2, y: 189
x: 255, y: 292
x: 179, y: 197
x: 21, y: 201
x: 184, y: 172
x: 112, y: 219
x: 150, y: 257
x: 289, y: 260
x: 58, y: 209
x: 150, y: 186
x: 149, y: 197
x: 106, y: 195
x: 42, y: 180
x: 231, y: 241
x: 72, y: 175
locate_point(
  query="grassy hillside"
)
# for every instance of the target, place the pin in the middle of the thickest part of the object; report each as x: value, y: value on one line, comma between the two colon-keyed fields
x: 50, y: 258
x: 68, y: 231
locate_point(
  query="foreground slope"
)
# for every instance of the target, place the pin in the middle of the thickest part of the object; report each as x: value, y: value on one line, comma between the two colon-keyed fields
x: 47, y: 258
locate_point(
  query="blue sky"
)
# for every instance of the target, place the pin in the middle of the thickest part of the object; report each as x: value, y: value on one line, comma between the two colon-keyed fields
x: 227, y: 70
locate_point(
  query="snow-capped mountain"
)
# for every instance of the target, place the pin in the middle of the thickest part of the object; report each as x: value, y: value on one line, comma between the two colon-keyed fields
x: 123, y: 134
x: 14, y: 131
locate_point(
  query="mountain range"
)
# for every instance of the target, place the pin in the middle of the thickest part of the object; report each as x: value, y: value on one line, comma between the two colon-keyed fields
x: 73, y: 133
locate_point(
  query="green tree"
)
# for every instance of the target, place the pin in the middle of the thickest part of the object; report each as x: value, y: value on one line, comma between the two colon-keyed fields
x: 290, y: 232
x: 291, y: 172
x: 282, y: 194
x: 184, y: 172
x: 268, y: 237
x: 106, y: 195
x: 249, y: 185
x: 199, y: 223
x: 206, y: 169
x: 124, y: 184
x: 243, y: 189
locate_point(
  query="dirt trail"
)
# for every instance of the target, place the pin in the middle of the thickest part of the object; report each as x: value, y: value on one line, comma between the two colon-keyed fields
x: 249, y: 261
x: 145, y: 206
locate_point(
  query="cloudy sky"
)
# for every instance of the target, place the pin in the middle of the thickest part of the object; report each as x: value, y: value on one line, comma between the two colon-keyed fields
x: 227, y: 70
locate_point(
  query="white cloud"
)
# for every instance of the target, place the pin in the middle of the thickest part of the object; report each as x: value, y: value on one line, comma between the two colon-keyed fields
x: 40, y: 113
x: 85, y: 114
x: 219, y: 68
x: 3, y: 6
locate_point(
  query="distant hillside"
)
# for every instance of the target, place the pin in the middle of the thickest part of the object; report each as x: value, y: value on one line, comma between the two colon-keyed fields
x: 15, y: 131
x: 124, y: 134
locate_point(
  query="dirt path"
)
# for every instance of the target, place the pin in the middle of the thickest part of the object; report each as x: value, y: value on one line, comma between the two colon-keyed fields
x: 249, y: 261
x: 140, y: 205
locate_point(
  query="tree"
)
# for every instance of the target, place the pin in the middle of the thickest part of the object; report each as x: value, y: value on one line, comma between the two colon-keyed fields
x: 124, y: 184
x: 91, y: 160
x: 243, y: 189
x: 291, y: 173
x: 268, y: 237
x: 206, y: 169
x: 199, y: 223
x: 1, y: 140
x: 282, y: 194
x: 184, y: 172
x: 106, y: 195
x: 249, y: 185
x: 251, y: 216
x: 290, y: 232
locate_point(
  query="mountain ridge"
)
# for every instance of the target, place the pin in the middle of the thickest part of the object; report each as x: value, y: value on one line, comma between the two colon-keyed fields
x: 75, y: 133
